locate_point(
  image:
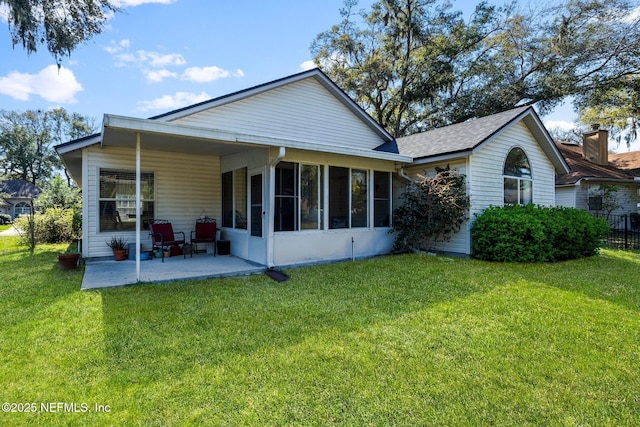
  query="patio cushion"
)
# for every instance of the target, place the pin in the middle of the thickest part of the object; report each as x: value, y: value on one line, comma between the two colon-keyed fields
x: 165, y: 229
x: 205, y: 232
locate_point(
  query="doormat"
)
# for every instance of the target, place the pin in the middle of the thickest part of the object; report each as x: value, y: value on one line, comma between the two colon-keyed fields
x: 276, y: 275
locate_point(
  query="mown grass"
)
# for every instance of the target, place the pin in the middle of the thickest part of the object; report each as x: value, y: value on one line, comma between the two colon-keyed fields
x: 399, y: 340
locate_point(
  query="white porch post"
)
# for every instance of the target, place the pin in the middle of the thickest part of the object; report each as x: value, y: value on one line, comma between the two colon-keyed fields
x: 271, y: 205
x: 138, y: 206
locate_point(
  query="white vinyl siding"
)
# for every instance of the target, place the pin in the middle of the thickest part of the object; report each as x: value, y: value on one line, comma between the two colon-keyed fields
x: 566, y: 196
x: 626, y: 197
x: 303, y: 111
x: 485, y: 179
x: 186, y: 186
x: 459, y: 242
x: 487, y: 183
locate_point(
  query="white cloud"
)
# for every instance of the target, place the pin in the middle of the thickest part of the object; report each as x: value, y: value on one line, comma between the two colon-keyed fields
x: 114, y: 47
x: 209, y: 74
x: 171, y: 102
x: 157, y: 76
x: 156, y: 59
x: 4, y: 13
x: 635, y: 14
x: 308, y: 65
x: 563, y: 125
x: 51, y: 84
x: 153, y: 59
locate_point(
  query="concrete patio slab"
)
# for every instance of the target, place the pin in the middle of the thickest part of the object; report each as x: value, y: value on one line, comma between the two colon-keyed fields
x: 109, y: 273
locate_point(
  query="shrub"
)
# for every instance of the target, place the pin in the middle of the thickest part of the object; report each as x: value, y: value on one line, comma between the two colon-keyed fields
x: 52, y: 226
x: 431, y: 210
x: 5, y: 219
x: 536, y: 234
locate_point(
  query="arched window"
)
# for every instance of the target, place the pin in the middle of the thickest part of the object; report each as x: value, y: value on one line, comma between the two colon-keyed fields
x: 518, y: 183
x: 21, y: 208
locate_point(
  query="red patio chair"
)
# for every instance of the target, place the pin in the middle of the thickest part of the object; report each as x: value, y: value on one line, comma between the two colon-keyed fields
x: 205, y: 232
x: 163, y: 235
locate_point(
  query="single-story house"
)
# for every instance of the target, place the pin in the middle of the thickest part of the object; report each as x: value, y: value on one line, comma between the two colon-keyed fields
x: 508, y: 158
x: 19, y: 195
x: 294, y: 171
x: 592, y: 167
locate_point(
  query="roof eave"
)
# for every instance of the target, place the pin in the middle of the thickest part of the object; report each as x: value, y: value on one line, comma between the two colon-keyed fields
x: 442, y: 157
x: 152, y: 126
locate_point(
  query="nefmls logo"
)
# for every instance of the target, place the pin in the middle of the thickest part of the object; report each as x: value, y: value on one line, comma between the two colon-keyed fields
x: 63, y: 407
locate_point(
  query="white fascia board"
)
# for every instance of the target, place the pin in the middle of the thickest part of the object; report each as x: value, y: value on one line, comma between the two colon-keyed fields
x: 153, y: 126
x: 558, y: 161
x: 78, y: 145
x: 441, y: 158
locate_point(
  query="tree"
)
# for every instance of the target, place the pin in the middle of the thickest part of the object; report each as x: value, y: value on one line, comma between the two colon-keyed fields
x: 417, y: 64
x: 61, y: 24
x: 57, y: 194
x: 27, y: 139
x: 616, y: 107
x: 399, y: 66
x: 432, y: 210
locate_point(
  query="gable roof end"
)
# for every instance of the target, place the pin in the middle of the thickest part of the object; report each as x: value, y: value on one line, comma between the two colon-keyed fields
x: 462, y: 139
x: 315, y: 73
x: 20, y: 189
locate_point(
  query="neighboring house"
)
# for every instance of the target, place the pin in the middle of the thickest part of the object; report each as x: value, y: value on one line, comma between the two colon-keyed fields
x: 19, y: 195
x: 293, y: 170
x: 592, y: 168
x: 508, y: 158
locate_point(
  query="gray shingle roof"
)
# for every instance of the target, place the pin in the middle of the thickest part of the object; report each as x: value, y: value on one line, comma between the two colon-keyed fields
x: 458, y: 137
x: 18, y: 188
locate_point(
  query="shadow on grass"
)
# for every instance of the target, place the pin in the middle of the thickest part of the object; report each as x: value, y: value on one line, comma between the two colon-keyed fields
x: 152, y: 330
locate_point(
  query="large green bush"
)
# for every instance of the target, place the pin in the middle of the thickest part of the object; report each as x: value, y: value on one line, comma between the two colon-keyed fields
x: 52, y: 226
x: 536, y: 234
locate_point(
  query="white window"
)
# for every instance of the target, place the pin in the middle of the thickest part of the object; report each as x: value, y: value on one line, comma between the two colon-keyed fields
x: 117, y: 199
x: 300, y: 197
x: 21, y: 208
x: 518, y: 182
x: 348, y: 198
x: 234, y: 199
x: 299, y: 193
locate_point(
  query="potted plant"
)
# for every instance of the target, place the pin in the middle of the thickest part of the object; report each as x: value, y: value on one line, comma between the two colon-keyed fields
x: 118, y: 245
x: 68, y: 260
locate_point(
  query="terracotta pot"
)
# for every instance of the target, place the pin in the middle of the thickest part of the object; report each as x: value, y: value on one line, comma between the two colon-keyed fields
x: 120, y: 254
x: 68, y: 261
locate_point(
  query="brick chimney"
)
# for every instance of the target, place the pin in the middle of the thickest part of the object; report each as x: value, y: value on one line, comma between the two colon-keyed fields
x: 595, y: 145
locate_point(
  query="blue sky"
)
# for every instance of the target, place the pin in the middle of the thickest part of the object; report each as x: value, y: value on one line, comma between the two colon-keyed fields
x: 159, y: 55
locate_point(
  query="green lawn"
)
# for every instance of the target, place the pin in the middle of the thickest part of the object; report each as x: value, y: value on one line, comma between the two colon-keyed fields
x: 399, y: 340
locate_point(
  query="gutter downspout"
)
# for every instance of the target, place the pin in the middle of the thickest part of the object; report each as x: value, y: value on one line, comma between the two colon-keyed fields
x: 402, y: 174
x: 272, y: 201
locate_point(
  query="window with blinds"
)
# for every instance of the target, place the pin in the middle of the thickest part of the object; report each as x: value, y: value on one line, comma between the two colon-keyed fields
x: 117, y: 199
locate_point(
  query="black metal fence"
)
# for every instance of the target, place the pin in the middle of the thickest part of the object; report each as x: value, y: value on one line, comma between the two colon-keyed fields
x: 625, y: 231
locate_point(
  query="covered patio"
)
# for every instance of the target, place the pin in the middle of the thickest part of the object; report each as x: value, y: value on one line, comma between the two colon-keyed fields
x: 100, y: 273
